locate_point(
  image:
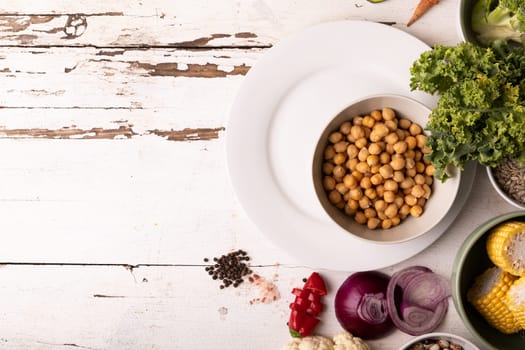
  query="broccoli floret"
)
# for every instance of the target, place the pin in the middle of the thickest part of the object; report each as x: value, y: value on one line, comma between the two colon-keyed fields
x: 499, y: 19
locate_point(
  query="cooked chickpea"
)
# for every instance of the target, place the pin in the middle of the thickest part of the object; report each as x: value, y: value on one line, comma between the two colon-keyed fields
x: 348, y: 210
x: 411, y: 142
x: 376, y: 179
x: 351, y: 163
x: 416, y: 211
x: 411, y: 172
x: 356, y: 193
x: 421, y: 140
x: 357, y: 131
x: 340, y: 205
x: 391, y: 210
x: 420, y: 167
x: 365, y: 183
x: 363, y: 154
x: 391, y: 138
x: 335, y: 137
x: 397, y: 162
x: 396, y: 221
x: 349, y: 181
x: 410, y: 200
x: 400, y: 147
x: 386, y: 224
x: 364, y: 203
x: 345, y: 128
x: 374, y: 169
x: 389, y: 196
x: 398, y: 176
x: 386, y: 171
x: 380, y: 205
x: 418, y: 191
x: 374, y: 148
x: 358, y: 175
x: 329, y: 183
x: 429, y: 180
x: 384, y: 158
x: 379, y: 131
x: 352, y: 151
x: 410, y: 163
x: 404, y: 123
x: 377, y: 115
x: 371, y: 193
x: 341, y: 146
x: 329, y: 152
x: 339, y: 171
x: 361, y: 142
x: 334, y: 197
x: 368, y: 121
x: 427, y: 190
x: 339, y: 158
x: 341, y: 188
x: 380, y: 189
x: 402, y: 134
x: 391, y: 125
x: 390, y: 185
x: 430, y: 170
x: 372, y: 160
x: 404, y: 211
x: 415, y: 129
x: 419, y: 179
x: 360, y: 217
x: 362, y: 167
x: 399, y: 201
x: 353, y: 204
x: 407, y: 183
x: 418, y: 155
x: 388, y: 113
x: 328, y: 168
x: 421, y: 202
x: 357, y: 120
x: 373, y: 223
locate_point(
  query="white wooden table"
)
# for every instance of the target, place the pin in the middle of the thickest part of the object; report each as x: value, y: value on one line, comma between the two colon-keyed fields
x: 113, y: 180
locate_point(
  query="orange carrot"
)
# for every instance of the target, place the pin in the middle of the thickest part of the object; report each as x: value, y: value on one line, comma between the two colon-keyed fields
x: 422, y: 7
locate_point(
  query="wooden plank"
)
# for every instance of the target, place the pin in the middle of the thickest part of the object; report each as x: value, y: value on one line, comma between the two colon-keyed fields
x: 119, y: 93
x: 151, y: 307
x: 200, y: 23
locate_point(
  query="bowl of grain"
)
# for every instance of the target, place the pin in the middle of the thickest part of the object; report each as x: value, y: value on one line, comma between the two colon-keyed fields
x: 439, y: 341
x: 371, y: 175
x: 508, y: 179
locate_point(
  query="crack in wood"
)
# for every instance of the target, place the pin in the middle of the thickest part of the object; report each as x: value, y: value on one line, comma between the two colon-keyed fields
x: 122, y: 132
x: 208, y: 70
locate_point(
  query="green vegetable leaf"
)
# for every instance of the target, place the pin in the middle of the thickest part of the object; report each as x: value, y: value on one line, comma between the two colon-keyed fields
x: 480, y: 114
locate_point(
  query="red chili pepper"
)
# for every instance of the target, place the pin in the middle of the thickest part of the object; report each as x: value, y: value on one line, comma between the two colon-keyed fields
x: 306, y: 306
x: 316, y: 284
x: 301, y: 324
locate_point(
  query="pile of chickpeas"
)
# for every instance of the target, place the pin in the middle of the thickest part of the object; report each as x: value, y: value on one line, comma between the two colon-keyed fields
x: 375, y: 170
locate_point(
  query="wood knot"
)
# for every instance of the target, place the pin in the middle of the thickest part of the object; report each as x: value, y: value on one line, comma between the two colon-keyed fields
x: 75, y: 26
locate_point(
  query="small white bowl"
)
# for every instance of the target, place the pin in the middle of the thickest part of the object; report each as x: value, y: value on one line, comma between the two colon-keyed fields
x: 465, y: 344
x: 502, y: 193
x: 437, y: 206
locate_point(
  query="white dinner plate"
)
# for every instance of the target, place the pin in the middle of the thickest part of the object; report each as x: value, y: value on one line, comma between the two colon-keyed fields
x: 285, y: 101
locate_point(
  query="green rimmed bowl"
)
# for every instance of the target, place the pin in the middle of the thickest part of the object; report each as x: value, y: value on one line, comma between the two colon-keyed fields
x: 471, y: 260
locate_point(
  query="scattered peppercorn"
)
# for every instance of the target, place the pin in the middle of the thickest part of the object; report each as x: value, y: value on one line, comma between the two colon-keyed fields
x: 229, y: 268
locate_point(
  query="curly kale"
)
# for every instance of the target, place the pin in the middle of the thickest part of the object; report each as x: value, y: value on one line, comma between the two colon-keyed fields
x: 480, y: 114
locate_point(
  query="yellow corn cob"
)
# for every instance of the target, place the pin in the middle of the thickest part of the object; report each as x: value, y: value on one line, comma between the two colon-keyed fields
x: 515, y: 301
x: 487, y: 295
x: 506, y: 247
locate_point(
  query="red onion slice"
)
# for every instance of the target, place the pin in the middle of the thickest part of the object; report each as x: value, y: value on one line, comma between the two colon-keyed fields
x: 412, y: 303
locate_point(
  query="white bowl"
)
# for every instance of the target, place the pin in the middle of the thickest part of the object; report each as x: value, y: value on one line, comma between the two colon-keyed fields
x: 465, y: 344
x: 437, y: 206
x: 502, y: 193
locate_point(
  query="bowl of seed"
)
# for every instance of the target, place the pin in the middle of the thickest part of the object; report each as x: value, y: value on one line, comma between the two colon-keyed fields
x: 439, y: 341
x: 508, y: 179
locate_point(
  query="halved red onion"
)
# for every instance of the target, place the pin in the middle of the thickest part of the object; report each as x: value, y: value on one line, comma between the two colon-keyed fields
x: 417, y: 299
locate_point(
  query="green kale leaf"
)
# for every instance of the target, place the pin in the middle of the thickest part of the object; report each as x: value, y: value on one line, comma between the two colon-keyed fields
x: 480, y: 114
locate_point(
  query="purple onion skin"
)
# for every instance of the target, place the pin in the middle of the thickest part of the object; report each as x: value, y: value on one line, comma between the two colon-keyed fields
x: 347, y: 300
